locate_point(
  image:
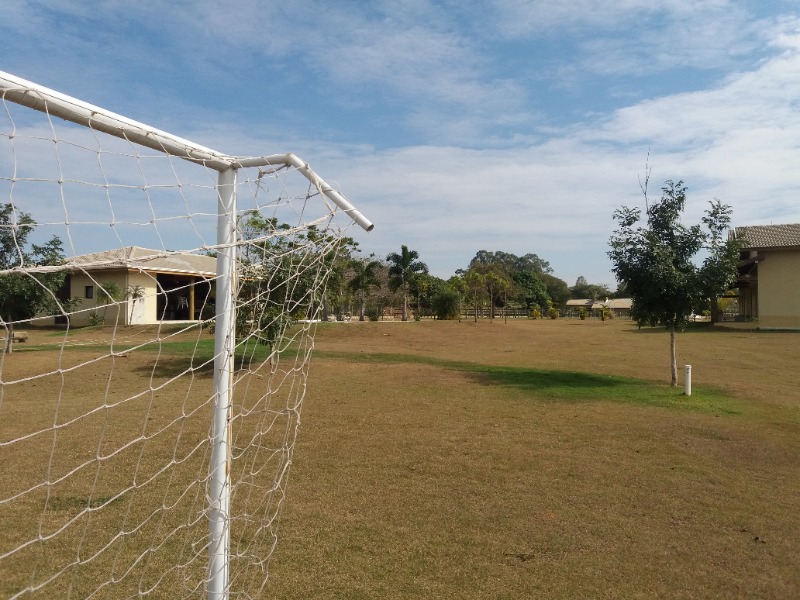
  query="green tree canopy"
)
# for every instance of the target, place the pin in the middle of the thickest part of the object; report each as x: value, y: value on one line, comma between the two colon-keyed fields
x: 584, y: 289
x: 530, y: 289
x: 517, y: 279
x: 557, y: 289
x: 25, y: 294
x: 364, y: 277
x: 512, y: 262
x: 656, y: 261
x: 446, y: 303
x: 403, y: 267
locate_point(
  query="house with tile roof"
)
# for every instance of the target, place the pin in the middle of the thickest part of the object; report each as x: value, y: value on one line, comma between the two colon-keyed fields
x: 619, y: 307
x: 169, y: 286
x: 769, y: 275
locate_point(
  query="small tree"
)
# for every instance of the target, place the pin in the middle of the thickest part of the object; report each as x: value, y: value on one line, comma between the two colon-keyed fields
x: 108, y: 292
x: 134, y: 293
x: 24, y: 295
x: 446, y: 304
x: 655, y: 262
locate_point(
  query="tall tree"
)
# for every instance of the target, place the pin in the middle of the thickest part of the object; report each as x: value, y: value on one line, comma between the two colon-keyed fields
x: 557, y: 289
x: 24, y: 295
x: 656, y: 261
x: 515, y: 279
x: 283, y: 275
x: 530, y: 289
x: 584, y: 289
x: 512, y: 262
x: 364, y: 277
x: 403, y: 267
x: 475, y: 284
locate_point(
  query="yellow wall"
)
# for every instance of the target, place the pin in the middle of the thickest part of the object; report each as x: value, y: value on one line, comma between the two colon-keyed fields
x: 779, y: 290
x: 87, y: 306
x: 144, y: 309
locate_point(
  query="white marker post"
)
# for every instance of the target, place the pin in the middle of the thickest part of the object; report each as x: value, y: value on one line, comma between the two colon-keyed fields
x: 687, y: 380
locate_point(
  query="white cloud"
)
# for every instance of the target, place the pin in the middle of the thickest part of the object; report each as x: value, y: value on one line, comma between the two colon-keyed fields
x: 737, y: 142
x: 466, y: 183
x: 634, y: 36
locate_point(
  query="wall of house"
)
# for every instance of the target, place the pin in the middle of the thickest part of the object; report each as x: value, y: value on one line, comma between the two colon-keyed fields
x: 79, y: 282
x: 126, y: 312
x: 142, y: 311
x: 779, y: 290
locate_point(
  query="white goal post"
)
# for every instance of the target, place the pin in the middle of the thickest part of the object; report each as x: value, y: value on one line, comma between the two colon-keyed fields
x: 110, y: 400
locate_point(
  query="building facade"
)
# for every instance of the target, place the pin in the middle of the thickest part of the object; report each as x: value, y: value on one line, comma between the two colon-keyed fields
x: 768, y: 282
x: 150, y: 286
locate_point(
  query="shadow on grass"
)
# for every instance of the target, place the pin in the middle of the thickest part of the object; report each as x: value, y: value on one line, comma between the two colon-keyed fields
x: 542, y: 380
x: 177, y: 358
x: 580, y: 388
x: 546, y: 385
x: 173, y: 366
x: 710, y: 328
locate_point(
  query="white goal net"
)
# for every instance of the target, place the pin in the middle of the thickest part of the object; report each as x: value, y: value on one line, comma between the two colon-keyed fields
x: 157, y: 310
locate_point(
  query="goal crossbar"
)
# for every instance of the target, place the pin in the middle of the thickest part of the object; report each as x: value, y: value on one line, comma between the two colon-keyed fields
x: 43, y: 99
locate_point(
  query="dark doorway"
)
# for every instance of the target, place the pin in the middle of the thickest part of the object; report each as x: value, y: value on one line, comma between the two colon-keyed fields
x: 181, y: 297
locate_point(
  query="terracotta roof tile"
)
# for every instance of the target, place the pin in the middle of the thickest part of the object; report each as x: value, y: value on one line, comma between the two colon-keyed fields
x: 768, y: 236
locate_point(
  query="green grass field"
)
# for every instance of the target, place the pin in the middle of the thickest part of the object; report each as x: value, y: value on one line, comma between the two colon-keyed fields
x: 527, y: 459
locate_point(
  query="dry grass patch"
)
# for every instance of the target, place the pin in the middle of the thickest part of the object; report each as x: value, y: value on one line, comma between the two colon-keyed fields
x: 421, y: 472
x: 436, y: 460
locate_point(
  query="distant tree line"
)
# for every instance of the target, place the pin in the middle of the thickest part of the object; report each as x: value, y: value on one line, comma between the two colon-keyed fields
x: 367, y: 287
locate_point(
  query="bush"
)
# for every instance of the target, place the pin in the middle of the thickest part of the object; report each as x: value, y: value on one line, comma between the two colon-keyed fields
x: 446, y: 304
x: 536, y: 314
x: 553, y: 313
x: 582, y: 313
x: 373, y: 312
x: 96, y: 319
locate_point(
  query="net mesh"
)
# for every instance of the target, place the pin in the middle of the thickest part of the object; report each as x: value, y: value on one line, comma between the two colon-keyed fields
x: 107, y: 265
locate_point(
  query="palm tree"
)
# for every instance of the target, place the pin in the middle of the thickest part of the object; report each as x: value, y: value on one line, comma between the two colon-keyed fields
x: 133, y: 293
x: 403, y: 268
x: 364, y: 278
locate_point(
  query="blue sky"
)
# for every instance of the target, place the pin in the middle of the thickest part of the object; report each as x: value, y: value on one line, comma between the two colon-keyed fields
x: 457, y: 125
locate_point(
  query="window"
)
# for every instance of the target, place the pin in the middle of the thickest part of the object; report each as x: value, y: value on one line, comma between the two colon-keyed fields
x: 89, y: 291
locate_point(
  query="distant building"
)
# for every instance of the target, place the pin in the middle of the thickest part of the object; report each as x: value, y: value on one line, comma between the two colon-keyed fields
x: 619, y: 307
x: 170, y: 286
x: 769, y: 275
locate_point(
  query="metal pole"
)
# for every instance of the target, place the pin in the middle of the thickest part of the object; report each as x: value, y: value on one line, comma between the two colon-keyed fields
x: 687, y: 380
x: 224, y: 343
x: 41, y: 98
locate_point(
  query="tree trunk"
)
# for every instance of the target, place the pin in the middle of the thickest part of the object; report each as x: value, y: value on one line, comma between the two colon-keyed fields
x: 9, y: 339
x: 673, y: 360
x: 361, y: 310
x: 405, y: 307
x: 714, y: 305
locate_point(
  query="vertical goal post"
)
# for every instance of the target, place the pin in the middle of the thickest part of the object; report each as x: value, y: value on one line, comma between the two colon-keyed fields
x: 286, y: 294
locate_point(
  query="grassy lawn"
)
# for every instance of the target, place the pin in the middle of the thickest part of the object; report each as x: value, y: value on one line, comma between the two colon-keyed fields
x: 544, y: 460
x: 527, y: 459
